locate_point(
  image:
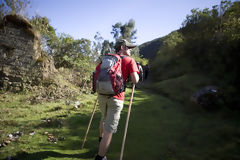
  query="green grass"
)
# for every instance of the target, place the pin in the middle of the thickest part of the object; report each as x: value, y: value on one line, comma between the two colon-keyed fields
x: 159, y: 128
x: 181, y: 88
x: 17, y: 114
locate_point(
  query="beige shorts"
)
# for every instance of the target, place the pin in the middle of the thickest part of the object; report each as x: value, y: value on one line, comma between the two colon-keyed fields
x: 110, y: 108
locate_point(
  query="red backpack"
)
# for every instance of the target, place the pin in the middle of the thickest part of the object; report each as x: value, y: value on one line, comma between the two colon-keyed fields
x: 108, y: 78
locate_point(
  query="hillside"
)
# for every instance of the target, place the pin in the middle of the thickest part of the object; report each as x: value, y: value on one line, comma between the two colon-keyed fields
x: 149, y: 49
x: 205, y: 47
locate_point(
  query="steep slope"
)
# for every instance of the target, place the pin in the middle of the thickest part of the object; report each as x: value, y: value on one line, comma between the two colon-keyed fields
x: 149, y: 49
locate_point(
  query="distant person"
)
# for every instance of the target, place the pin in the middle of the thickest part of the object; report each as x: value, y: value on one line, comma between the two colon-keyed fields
x: 112, y: 105
x: 140, y: 71
x: 146, y: 71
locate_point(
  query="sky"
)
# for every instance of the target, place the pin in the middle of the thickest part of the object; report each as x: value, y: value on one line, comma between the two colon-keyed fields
x: 84, y: 18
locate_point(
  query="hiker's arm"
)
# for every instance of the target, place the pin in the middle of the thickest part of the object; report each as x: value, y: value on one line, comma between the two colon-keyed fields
x: 134, y: 77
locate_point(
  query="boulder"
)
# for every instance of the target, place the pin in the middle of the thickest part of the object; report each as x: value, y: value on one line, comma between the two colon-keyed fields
x: 207, y: 97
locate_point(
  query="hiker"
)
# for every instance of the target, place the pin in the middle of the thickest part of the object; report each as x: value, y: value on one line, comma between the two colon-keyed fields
x: 112, y: 105
x: 146, y: 71
x: 140, y: 71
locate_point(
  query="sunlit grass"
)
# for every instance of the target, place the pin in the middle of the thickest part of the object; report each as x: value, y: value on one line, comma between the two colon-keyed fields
x: 17, y: 114
x: 183, y: 87
x: 159, y: 128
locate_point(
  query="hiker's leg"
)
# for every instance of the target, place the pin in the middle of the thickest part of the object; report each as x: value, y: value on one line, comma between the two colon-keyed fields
x: 110, y: 124
x: 115, y: 107
x: 105, y: 143
x: 102, y: 100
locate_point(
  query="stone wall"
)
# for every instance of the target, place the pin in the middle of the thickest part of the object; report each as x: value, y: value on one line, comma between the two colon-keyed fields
x: 22, y: 62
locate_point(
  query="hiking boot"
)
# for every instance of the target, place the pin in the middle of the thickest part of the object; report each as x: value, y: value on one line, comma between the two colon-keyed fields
x: 100, y: 158
x: 104, y: 158
x: 99, y: 139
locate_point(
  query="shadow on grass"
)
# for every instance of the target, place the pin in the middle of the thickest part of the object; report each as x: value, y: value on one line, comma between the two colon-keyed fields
x: 72, y: 128
x: 47, y: 154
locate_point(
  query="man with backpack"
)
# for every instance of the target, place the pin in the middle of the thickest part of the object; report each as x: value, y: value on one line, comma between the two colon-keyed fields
x: 110, y: 77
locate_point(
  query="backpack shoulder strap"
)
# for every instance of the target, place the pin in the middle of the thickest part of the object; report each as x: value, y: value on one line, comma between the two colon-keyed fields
x: 122, y: 56
x: 113, y: 54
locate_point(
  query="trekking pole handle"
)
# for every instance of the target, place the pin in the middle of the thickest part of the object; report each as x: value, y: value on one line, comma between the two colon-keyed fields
x: 126, y: 126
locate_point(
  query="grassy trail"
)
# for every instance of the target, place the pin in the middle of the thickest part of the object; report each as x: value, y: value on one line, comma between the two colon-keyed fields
x: 159, y: 129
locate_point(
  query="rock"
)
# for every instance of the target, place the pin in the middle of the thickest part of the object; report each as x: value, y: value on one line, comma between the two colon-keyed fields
x: 67, y: 102
x: 18, y: 133
x: 13, y: 136
x: 207, y: 97
x: 77, y: 104
x: 4, y: 144
x: 7, y: 142
x: 52, y: 139
x: 10, y: 136
x: 32, y: 133
x: 61, y: 139
x: 23, y: 60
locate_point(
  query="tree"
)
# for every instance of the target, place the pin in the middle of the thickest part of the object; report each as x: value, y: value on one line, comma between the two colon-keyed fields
x: 231, y: 22
x: 66, y: 51
x: 13, y: 7
x: 107, y: 47
x: 125, y: 31
x: 70, y: 52
x: 116, y: 30
x: 49, y: 38
x: 97, y: 46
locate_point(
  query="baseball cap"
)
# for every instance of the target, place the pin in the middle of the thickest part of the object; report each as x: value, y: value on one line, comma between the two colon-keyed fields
x: 124, y: 42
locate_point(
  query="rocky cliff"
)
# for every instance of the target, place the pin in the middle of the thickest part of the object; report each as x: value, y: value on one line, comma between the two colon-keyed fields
x: 22, y: 62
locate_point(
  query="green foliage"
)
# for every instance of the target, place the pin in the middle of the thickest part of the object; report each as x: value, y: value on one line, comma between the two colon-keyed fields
x: 119, y: 31
x: 49, y: 39
x: 166, y: 63
x: 42, y: 59
x: 66, y: 51
x: 208, y: 44
x: 13, y: 7
x: 74, y: 54
x: 41, y: 24
x: 182, y: 87
x: 125, y: 31
x: 78, y: 54
x: 70, y: 52
x: 97, y: 46
x: 128, y: 32
x: 231, y: 22
x: 107, y: 47
x: 138, y: 58
x: 149, y: 49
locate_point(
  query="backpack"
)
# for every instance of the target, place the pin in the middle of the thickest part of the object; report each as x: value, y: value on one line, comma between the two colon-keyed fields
x: 108, y: 78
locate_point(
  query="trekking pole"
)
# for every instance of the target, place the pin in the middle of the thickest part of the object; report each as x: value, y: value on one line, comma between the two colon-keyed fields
x: 126, y: 126
x: 94, y: 109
